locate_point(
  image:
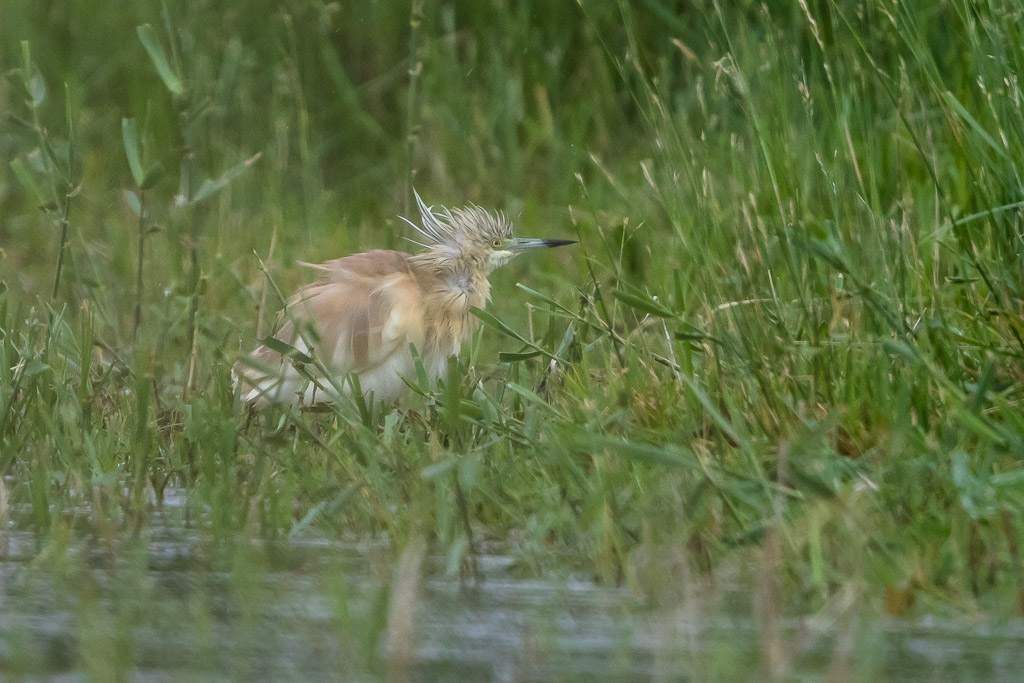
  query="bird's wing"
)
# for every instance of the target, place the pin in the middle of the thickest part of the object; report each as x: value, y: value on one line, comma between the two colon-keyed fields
x: 362, y: 310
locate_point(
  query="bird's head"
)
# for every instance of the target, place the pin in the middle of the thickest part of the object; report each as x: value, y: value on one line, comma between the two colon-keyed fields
x: 475, y: 234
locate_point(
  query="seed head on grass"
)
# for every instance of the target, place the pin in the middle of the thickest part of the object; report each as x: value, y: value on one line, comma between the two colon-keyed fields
x: 365, y: 310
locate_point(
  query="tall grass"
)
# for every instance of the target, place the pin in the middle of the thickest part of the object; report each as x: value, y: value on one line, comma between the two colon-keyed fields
x: 790, y: 337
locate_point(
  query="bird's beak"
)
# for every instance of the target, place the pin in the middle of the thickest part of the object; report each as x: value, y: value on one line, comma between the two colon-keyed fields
x: 521, y: 244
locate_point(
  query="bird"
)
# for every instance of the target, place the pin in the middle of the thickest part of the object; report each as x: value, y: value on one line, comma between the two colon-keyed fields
x: 367, y: 312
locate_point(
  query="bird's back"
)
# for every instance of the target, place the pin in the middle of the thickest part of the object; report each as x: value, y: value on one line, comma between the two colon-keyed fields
x: 371, y: 264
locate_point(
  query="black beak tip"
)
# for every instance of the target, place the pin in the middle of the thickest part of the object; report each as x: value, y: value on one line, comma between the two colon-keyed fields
x: 558, y: 243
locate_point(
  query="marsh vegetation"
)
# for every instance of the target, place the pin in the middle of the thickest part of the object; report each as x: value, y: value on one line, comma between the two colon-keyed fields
x: 778, y: 380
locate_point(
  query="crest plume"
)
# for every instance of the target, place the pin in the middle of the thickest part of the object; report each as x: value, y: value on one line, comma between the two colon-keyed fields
x: 449, y: 228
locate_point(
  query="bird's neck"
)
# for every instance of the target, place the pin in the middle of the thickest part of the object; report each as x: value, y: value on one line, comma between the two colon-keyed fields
x: 453, y: 276
x: 451, y: 286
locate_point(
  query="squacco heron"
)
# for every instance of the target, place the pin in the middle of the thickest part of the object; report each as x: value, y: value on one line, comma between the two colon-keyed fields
x: 366, y: 310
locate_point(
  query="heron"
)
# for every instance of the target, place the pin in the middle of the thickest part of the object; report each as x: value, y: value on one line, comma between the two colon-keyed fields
x: 368, y: 313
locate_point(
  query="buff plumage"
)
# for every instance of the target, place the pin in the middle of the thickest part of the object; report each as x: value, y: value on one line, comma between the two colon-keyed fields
x: 367, y: 311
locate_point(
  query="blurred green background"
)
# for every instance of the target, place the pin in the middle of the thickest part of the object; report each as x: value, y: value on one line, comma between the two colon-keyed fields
x: 789, y: 344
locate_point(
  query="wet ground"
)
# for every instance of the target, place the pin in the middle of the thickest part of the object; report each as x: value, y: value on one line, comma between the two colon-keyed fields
x: 180, y: 605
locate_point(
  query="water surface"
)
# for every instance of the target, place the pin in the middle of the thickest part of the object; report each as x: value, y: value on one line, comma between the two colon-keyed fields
x: 183, y: 603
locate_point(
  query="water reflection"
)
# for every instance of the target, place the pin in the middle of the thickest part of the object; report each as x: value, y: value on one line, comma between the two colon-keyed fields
x: 177, y: 603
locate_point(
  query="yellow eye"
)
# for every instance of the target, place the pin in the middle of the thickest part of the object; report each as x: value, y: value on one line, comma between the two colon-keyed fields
x: 496, y: 244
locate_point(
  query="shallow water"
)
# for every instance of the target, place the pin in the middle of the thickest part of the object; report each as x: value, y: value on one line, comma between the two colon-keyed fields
x: 179, y: 604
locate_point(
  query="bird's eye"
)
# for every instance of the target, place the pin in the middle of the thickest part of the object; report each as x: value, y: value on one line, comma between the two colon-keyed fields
x: 496, y: 244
